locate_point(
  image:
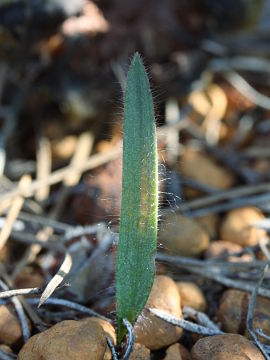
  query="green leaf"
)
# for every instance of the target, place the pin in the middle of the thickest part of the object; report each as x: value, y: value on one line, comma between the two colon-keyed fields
x: 138, y: 223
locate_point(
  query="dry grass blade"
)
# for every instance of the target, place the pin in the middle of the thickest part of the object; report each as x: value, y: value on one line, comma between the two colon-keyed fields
x: 59, y: 175
x: 14, y: 211
x: 44, y: 164
x: 57, y: 279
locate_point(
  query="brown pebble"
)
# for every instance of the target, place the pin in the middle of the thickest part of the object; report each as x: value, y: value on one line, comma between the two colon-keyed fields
x: 181, y: 235
x: 210, y: 224
x: 151, y: 331
x: 199, y: 166
x: 10, y: 328
x: 191, y: 295
x: 236, y: 227
x: 140, y: 352
x: 221, y: 249
x: 100, y: 198
x: 233, y: 309
x: 68, y: 339
x: 224, y: 347
x: 177, y: 352
x: 28, y: 278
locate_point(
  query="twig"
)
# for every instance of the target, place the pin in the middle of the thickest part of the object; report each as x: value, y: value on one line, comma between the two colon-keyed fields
x: 217, y: 263
x: 78, y: 231
x: 184, y: 324
x: 83, y: 149
x: 15, y: 292
x: 250, y: 314
x: 260, y: 332
x: 201, y: 318
x: 6, y: 356
x: 71, y: 305
x: 37, y: 219
x: 111, y: 346
x: 237, y: 203
x: 247, y: 90
x: 191, y: 266
x: 131, y: 339
x: 264, y: 249
x: 237, y: 192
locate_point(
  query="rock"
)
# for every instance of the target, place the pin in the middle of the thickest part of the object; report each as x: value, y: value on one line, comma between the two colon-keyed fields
x: 210, y: 224
x: 10, y: 328
x: 151, y: 331
x: 109, y: 331
x: 237, y: 226
x: 191, y: 295
x: 200, y: 167
x: 28, y: 278
x: 68, y: 339
x: 181, y: 235
x: 233, y: 309
x: 221, y: 248
x: 63, y: 149
x: 177, y: 352
x: 140, y: 352
x: 99, y: 199
x: 224, y: 347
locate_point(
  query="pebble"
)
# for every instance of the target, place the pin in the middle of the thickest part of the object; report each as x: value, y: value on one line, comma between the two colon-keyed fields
x: 68, y: 339
x: 177, y: 352
x: 200, y: 167
x: 221, y: 248
x: 151, y: 331
x: 210, y: 224
x: 224, y: 347
x: 10, y: 328
x: 236, y: 227
x: 140, y: 352
x: 191, y: 295
x: 233, y: 309
x: 183, y: 236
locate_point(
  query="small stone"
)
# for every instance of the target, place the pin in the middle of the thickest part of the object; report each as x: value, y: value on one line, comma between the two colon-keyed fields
x: 200, y: 167
x: 191, y: 295
x: 68, y: 339
x: 64, y: 148
x: 181, y: 235
x: 237, y: 226
x: 177, y: 352
x: 224, y: 347
x: 220, y: 249
x: 10, y: 328
x: 140, y: 352
x: 233, y: 309
x: 109, y: 331
x: 151, y: 331
x: 210, y: 224
x: 28, y: 278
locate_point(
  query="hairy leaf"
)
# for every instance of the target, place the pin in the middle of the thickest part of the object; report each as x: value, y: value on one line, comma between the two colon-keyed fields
x: 138, y: 223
